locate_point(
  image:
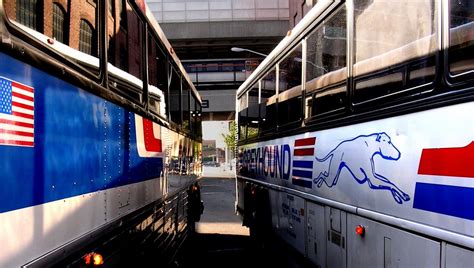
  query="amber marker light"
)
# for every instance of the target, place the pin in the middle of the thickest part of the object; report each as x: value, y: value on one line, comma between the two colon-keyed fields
x: 98, y: 259
x: 360, y: 230
x: 93, y: 258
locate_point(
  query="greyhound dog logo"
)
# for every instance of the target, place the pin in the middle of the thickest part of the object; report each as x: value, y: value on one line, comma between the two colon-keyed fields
x: 362, y: 168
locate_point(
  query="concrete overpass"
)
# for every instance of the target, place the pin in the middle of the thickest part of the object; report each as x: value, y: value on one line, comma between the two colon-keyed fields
x: 206, y: 30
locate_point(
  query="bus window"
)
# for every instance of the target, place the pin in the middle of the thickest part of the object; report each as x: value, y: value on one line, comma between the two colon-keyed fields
x: 157, y: 76
x: 326, y: 66
x: 175, y: 95
x: 328, y: 100
x: 289, y: 107
x: 253, y: 115
x: 192, y: 114
x: 391, y: 59
x: 51, y: 23
x: 243, y: 107
x: 289, y: 82
x: 268, y: 101
x: 461, y: 39
x: 185, y: 105
x: 290, y: 70
x: 195, y: 116
x: 134, y: 43
x: 198, y: 112
x: 154, y: 100
x: 125, y: 49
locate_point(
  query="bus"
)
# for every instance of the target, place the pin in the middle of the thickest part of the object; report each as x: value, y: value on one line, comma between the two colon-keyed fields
x: 355, y: 136
x: 100, y: 136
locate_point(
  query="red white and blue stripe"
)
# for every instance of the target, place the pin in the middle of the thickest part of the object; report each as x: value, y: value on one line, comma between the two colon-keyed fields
x: 303, y: 155
x: 16, y: 113
x: 452, y: 200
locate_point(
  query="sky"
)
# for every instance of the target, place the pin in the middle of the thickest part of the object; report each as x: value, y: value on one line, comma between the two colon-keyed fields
x: 213, y: 130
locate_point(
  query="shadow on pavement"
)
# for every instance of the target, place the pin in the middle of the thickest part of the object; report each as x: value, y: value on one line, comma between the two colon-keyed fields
x: 218, y: 250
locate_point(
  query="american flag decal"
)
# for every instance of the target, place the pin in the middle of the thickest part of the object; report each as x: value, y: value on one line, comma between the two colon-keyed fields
x: 303, y: 162
x: 17, y: 114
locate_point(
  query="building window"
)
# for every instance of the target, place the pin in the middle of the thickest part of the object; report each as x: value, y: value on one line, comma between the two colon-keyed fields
x: 87, y: 39
x: 26, y: 13
x: 59, y: 25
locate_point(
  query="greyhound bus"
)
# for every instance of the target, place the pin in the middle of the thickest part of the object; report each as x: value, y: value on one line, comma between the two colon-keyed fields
x: 356, y: 136
x: 100, y: 136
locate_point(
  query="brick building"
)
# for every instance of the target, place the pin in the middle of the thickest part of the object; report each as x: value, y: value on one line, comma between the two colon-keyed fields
x: 74, y: 23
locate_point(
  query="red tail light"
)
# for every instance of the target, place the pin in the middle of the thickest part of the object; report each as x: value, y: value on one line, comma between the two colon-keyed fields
x: 360, y: 230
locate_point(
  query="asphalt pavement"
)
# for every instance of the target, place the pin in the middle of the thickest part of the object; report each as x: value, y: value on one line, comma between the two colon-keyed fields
x: 220, y: 239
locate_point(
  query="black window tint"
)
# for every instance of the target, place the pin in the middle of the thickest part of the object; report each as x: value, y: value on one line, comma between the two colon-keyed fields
x: 175, y: 97
x: 253, y: 114
x: 59, y: 24
x: 289, y: 110
x: 193, y: 115
x: 461, y: 39
x: 243, y: 122
x: 389, y: 60
x: 185, y: 105
x: 111, y: 52
x: 328, y: 100
x: 289, y: 99
x: 268, y: 101
x: 157, y: 69
x: 198, y: 113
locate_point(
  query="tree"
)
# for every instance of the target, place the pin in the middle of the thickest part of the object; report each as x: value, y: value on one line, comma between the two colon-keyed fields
x: 230, y: 139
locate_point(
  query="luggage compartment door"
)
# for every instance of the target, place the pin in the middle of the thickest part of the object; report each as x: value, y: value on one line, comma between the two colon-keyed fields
x: 336, y: 237
x: 316, y: 234
x: 385, y: 246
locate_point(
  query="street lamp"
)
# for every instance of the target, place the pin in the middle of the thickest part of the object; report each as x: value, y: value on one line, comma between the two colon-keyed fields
x: 239, y: 49
x: 314, y: 65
